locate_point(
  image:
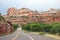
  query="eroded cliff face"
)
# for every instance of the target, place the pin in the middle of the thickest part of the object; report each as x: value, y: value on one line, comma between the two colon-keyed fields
x: 24, y: 15
x: 19, y: 16
x: 12, y: 11
x: 18, y: 12
x: 5, y: 28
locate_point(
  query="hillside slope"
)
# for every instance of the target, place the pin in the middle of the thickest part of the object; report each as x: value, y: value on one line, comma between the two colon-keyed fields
x: 5, y: 28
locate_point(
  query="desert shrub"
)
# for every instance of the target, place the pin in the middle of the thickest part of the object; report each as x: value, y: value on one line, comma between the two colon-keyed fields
x: 55, y: 28
x: 45, y: 27
x: 35, y: 27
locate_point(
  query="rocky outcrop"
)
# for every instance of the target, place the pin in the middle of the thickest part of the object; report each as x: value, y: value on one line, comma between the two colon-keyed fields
x: 5, y: 28
x: 12, y: 11
x: 19, y: 12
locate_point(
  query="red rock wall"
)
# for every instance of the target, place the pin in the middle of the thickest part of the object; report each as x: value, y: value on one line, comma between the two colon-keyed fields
x: 50, y: 16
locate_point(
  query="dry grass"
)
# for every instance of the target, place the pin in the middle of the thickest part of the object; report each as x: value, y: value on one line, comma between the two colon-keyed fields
x: 57, y: 37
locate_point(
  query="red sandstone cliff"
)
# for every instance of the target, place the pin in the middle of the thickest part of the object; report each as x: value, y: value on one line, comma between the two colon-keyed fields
x: 25, y: 15
x: 5, y: 28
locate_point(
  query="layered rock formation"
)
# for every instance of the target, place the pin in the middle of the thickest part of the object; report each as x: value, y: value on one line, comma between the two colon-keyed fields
x: 25, y: 15
x: 5, y: 28
x: 18, y: 12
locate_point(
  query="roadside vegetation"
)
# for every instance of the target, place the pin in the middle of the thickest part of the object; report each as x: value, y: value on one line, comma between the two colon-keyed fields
x: 15, y: 26
x: 42, y: 28
x: 53, y: 28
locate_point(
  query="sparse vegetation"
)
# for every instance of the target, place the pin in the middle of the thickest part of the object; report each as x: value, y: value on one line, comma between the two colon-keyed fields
x: 2, y: 19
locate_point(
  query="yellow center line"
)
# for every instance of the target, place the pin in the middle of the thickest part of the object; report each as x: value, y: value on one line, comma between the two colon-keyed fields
x: 15, y: 37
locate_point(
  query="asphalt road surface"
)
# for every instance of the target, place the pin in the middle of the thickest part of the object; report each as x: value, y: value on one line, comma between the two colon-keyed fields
x: 20, y: 35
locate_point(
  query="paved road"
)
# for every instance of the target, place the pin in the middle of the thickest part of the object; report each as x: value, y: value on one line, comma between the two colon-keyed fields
x: 20, y: 35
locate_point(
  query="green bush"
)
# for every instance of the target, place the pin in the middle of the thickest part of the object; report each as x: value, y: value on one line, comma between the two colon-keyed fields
x: 37, y: 27
x: 42, y: 27
x: 26, y: 27
x: 15, y: 26
x: 45, y: 27
x: 55, y: 28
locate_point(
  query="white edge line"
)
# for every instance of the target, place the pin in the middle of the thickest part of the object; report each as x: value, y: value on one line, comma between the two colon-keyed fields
x: 29, y: 36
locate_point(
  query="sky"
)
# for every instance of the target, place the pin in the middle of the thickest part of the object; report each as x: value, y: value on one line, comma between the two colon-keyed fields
x: 40, y: 5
